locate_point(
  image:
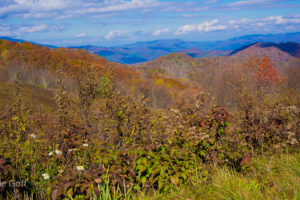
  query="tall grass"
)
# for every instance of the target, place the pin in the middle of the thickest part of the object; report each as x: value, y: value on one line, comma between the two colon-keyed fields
x: 276, y: 177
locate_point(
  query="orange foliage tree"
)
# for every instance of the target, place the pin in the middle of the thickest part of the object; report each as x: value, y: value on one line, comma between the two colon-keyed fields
x: 266, y: 73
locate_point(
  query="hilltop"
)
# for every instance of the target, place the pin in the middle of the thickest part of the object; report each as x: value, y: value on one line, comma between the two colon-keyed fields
x: 39, y: 66
x: 292, y: 48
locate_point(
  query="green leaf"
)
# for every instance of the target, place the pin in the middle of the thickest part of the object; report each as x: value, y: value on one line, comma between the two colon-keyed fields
x: 143, y: 180
x: 183, y: 175
x: 227, y: 124
x: 141, y: 168
x: 70, y: 192
x: 162, y: 149
x: 155, y: 171
x: 120, y: 113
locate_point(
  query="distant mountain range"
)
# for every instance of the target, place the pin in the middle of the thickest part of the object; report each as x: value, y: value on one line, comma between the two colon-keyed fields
x: 179, y: 65
x: 12, y: 39
x: 146, y: 51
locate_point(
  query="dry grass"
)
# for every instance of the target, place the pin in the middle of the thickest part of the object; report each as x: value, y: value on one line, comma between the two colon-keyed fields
x: 36, y: 96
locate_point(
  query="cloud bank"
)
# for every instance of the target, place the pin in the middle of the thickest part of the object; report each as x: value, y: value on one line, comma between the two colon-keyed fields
x: 205, y: 26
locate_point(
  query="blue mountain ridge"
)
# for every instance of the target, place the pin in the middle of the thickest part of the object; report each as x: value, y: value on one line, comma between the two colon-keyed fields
x: 150, y: 50
x: 146, y: 51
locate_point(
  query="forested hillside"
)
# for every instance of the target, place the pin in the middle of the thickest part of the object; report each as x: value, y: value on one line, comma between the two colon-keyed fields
x: 77, y: 126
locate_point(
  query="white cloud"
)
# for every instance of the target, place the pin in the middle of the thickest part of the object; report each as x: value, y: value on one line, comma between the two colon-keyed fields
x: 186, y: 28
x: 241, y: 21
x: 261, y: 24
x: 112, y: 34
x: 80, y: 35
x: 248, y: 3
x: 283, y: 20
x: 211, y: 1
x: 5, y: 30
x: 93, y: 8
x: 158, y: 32
x: 210, y: 26
x: 268, y: 21
x: 17, y: 30
x: 31, y: 29
x: 205, y: 26
x: 34, y: 8
x: 61, y: 9
x: 72, y: 8
x: 43, y: 4
x: 254, y: 4
x: 119, y: 5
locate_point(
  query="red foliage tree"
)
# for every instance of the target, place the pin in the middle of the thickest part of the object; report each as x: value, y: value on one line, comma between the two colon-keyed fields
x: 266, y: 73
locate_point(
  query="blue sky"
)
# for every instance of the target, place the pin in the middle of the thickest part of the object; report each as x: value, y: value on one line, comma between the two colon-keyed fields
x: 116, y: 22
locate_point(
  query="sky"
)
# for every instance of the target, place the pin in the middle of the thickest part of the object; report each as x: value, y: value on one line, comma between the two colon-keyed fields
x: 117, y: 22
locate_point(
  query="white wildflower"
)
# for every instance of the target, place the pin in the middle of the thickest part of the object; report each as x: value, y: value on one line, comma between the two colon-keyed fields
x: 80, y: 168
x: 85, y: 145
x: 45, y: 176
x: 58, y: 152
x: 50, y: 153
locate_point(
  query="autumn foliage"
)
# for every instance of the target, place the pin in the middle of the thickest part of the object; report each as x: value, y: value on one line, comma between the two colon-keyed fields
x: 266, y: 73
x: 121, y: 131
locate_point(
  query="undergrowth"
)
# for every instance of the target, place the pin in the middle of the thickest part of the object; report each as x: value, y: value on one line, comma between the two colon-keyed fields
x: 101, y: 144
x: 275, y: 177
